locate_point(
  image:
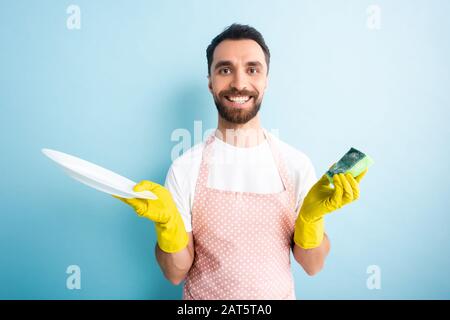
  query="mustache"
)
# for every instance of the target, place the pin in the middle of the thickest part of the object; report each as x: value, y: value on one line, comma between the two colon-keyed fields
x: 235, y: 92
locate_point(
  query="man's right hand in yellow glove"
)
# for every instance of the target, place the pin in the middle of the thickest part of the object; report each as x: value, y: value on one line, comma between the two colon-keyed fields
x: 170, y: 231
x: 322, y: 199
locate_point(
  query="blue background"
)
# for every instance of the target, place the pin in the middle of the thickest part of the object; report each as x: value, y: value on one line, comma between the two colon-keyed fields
x: 115, y: 90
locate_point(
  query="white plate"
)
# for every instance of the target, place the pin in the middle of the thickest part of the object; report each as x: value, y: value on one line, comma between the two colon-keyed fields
x: 97, y: 177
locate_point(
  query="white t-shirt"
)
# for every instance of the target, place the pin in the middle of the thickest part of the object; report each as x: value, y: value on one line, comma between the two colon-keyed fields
x: 238, y: 169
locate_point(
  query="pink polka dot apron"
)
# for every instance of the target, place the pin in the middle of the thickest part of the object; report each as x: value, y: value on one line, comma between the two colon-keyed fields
x: 242, y: 239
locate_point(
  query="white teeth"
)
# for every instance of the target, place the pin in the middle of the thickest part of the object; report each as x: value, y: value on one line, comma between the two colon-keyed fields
x: 239, y: 99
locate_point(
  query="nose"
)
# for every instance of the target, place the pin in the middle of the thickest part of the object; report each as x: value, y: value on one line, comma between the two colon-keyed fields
x: 239, y: 81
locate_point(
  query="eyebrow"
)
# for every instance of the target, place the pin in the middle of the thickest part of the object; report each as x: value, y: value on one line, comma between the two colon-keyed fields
x: 224, y: 63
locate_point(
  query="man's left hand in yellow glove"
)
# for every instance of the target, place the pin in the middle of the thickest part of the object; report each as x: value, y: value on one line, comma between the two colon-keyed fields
x: 322, y: 199
x: 170, y: 232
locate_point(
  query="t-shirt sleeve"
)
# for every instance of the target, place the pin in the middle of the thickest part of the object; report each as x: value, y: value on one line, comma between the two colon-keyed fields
x: 308, y: 179
x: 179, y: 188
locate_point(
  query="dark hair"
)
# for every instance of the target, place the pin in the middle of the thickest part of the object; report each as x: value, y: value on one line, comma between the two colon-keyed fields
x: 237, y: 32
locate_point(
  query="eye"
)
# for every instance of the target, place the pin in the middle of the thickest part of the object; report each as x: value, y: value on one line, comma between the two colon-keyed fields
x: 252, y: 70
x: 225, y: 71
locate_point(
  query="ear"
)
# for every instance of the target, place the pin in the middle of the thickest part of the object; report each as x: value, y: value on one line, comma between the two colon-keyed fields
x: 210, y: 84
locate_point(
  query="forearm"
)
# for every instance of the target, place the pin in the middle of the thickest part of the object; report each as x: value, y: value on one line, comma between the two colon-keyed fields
x: 312, y: 260
x: 175, y: 266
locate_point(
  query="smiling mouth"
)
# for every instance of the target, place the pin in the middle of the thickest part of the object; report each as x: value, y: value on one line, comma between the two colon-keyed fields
x: 240, y: 100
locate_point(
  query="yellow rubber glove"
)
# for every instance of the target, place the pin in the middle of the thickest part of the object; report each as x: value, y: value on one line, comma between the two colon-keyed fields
x: 170, y: 231
x: 322, y: 199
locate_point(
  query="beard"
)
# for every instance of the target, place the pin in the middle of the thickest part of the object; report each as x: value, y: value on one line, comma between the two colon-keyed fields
x: 238, y: 115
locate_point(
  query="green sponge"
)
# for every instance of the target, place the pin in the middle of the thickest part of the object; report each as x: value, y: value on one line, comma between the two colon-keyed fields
x: 354, y: 162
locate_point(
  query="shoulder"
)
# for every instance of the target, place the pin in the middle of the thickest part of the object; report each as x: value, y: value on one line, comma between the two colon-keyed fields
x: 295, y: 158
x: 189, y: 157
x: 185, y: 168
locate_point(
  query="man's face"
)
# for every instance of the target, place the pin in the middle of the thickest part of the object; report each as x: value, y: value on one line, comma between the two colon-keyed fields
x: 238, y: 79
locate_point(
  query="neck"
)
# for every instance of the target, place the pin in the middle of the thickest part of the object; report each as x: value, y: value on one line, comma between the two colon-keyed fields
x: 243, y: 135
